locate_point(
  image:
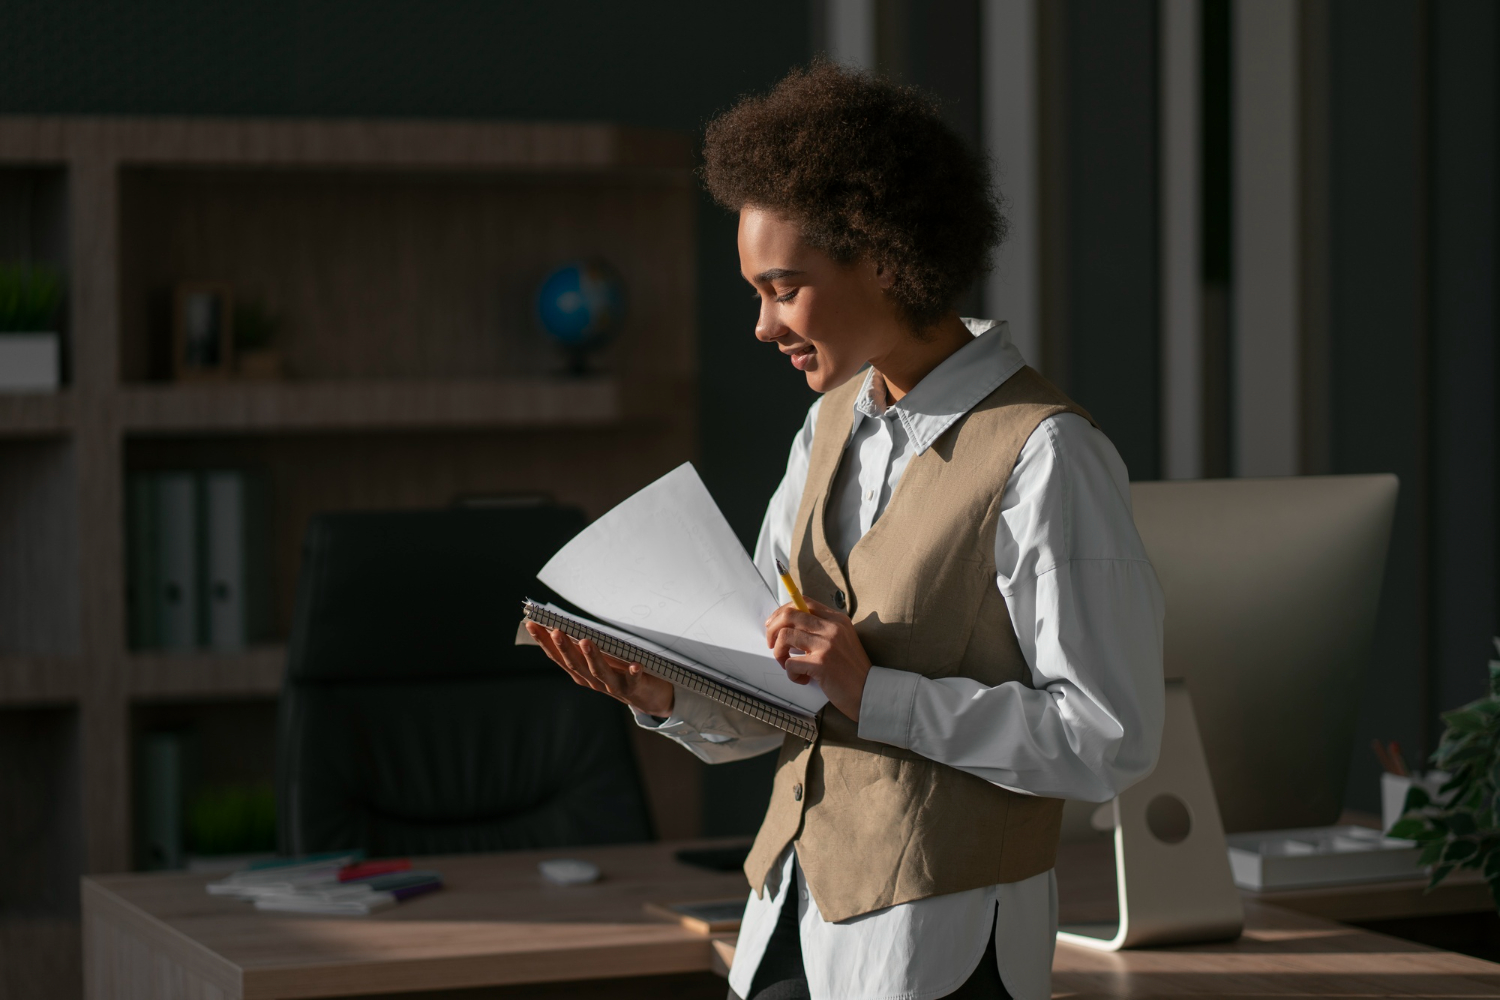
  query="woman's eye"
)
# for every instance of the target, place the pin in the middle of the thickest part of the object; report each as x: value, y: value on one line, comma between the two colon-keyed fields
x: 787, y: 297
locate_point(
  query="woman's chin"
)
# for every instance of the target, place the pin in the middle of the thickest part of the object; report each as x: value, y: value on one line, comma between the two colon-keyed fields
x: 823, y: 378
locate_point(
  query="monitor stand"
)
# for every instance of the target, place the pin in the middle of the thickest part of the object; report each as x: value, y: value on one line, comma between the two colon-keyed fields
x: 1171, y: 863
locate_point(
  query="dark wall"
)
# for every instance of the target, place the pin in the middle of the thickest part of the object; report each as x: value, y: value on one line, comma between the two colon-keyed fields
x: 1412, y: 241
x: 1464, y: 602
x: 1377, y: 333
x: 1111, y: 258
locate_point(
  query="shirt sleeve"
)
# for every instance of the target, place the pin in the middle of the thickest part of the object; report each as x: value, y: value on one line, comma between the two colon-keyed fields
x: 1087, y: 611
x: 716, y: 733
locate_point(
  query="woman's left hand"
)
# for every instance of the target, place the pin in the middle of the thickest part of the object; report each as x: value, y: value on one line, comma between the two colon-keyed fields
x: 832, y: 653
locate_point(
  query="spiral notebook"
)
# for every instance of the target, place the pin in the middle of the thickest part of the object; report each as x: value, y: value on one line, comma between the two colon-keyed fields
x: 669, y: 586
x: 662, y: 663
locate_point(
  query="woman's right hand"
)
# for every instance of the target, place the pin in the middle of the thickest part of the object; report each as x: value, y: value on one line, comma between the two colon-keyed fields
x: 593, y: 668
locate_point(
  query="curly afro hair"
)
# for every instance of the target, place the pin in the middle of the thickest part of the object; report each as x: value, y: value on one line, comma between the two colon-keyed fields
x: 871, y: 172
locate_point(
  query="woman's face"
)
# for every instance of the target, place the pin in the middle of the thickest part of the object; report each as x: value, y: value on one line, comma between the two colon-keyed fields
x: 828, y: 318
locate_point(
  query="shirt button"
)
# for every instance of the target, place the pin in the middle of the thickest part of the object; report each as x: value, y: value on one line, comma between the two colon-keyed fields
x: 869, y: 494
x: 797, y: 792
x: 838, y: 599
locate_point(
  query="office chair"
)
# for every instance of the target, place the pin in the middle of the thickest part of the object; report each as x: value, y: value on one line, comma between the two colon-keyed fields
x: 410, y: 722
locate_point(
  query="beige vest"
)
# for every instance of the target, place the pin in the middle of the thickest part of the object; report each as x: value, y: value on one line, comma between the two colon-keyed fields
x: 876, y: 825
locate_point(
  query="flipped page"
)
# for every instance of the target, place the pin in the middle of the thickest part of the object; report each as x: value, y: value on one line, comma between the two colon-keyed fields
x: 665, y: 565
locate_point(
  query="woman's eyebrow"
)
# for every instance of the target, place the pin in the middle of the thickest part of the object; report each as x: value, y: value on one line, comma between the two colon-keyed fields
x: 776, y: 274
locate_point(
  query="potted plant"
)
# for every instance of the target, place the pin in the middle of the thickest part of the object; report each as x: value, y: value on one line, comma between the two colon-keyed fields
x: 29, y: 350
x: 1463, y: 830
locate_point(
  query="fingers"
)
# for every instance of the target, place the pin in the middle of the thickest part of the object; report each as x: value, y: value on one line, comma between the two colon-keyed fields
x: 787, y: 616
x: 613, y: 678
x: 544, y: 639
x: 789, y: 639
x: 570, y: 658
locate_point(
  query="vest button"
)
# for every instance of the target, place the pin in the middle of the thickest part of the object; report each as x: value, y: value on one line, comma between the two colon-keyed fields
x: 797, y: 792
x: 838, y: 599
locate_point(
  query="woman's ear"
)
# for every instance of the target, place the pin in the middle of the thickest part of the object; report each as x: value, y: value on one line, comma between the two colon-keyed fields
x: 883, y: 276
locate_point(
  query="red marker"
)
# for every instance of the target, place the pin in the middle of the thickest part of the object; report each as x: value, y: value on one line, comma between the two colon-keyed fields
x: 369, y: 869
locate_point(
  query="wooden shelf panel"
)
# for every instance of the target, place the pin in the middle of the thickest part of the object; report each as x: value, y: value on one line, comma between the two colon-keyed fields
x: 35, y: 414
x: 533, y: 146
x: 39, y: 680
x: 256, y: 672
x: 241, y: 407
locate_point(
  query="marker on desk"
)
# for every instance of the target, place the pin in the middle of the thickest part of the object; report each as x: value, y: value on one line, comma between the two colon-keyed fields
x: 791, y: 586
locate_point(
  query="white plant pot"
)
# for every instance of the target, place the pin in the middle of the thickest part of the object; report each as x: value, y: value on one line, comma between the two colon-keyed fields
x: 29, y: 362
x: 1393, y: 789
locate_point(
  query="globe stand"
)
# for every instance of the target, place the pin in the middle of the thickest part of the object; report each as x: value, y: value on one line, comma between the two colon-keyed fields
x: 1171, y: 862
x: 578, y: 363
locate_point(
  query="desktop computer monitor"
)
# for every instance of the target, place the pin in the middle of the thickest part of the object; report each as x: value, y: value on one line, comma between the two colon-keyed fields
x: 1271, y: 592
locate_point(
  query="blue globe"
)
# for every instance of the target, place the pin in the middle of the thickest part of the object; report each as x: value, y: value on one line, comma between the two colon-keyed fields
x: 581, y: 305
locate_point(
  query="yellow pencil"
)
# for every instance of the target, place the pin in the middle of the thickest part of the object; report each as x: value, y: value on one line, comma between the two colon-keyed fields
x: 791, y: 586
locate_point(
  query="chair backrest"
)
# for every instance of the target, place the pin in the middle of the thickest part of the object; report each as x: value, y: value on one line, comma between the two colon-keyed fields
x: 411, y: 723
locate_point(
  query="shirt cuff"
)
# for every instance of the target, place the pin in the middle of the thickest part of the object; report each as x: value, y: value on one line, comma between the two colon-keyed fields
x: 691, y: 714
x: 885, y: 709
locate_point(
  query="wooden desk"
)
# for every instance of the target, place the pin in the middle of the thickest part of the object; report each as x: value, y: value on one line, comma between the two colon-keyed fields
x: 1281, y: 953
x: 162, y: 937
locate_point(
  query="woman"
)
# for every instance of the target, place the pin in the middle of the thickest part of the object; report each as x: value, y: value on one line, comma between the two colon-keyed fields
x: 983, y: 617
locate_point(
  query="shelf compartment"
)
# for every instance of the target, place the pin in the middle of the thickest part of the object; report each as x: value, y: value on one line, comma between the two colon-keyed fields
x: 39, y: 558
x: 40, y: 824
x: 256, y: 672
x: 34, y: 231
x: 394, y: 274
x: 314, y: 471
x: 369, y: 405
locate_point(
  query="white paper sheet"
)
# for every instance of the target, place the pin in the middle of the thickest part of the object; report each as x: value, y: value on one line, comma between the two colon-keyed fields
x: 666, y: 566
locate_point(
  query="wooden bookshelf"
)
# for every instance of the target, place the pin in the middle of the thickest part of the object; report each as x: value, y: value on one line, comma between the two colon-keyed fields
x: 402, y: 258
x: 254, y: 673
x: 24, y: 415
x: 371, y: 405
x: 40, y: 680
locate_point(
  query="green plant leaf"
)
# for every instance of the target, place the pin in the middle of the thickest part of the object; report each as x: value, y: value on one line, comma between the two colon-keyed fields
x: 1408, y: 828
x: 1459, y: 850
x: 29, y: 297
x: 1416, y: 798
x: 1438, y: 874
x: 1465, y: 720
x: 1462, y: 824
x: 1431, y: 851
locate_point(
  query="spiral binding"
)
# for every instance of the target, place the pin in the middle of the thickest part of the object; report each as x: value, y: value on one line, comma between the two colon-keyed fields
x: 679, y: 675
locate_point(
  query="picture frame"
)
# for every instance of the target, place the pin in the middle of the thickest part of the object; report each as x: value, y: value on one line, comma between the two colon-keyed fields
x: 202, y: 330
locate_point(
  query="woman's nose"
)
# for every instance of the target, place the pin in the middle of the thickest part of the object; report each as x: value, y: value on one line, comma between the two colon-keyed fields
x: 768, y: 328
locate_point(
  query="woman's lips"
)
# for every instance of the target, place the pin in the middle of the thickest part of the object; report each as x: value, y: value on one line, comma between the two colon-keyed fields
x: 802, y: 357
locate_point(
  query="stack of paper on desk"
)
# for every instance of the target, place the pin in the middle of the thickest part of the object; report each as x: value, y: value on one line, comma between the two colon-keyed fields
x: 327, y: 883
x: 673, y: 589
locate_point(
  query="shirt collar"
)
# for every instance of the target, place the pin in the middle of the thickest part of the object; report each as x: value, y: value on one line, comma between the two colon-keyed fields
x: 950, y: 390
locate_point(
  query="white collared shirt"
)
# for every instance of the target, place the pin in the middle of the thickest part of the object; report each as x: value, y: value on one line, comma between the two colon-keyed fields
x: 1087, y: 611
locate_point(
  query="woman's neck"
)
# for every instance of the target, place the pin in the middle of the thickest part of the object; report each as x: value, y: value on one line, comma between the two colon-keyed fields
x: 911, y: 360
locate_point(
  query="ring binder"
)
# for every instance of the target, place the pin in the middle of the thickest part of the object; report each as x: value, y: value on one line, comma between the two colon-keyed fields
x: 804, y: 727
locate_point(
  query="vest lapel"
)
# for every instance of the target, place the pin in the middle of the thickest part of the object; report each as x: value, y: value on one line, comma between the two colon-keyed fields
x: 818, y: 573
